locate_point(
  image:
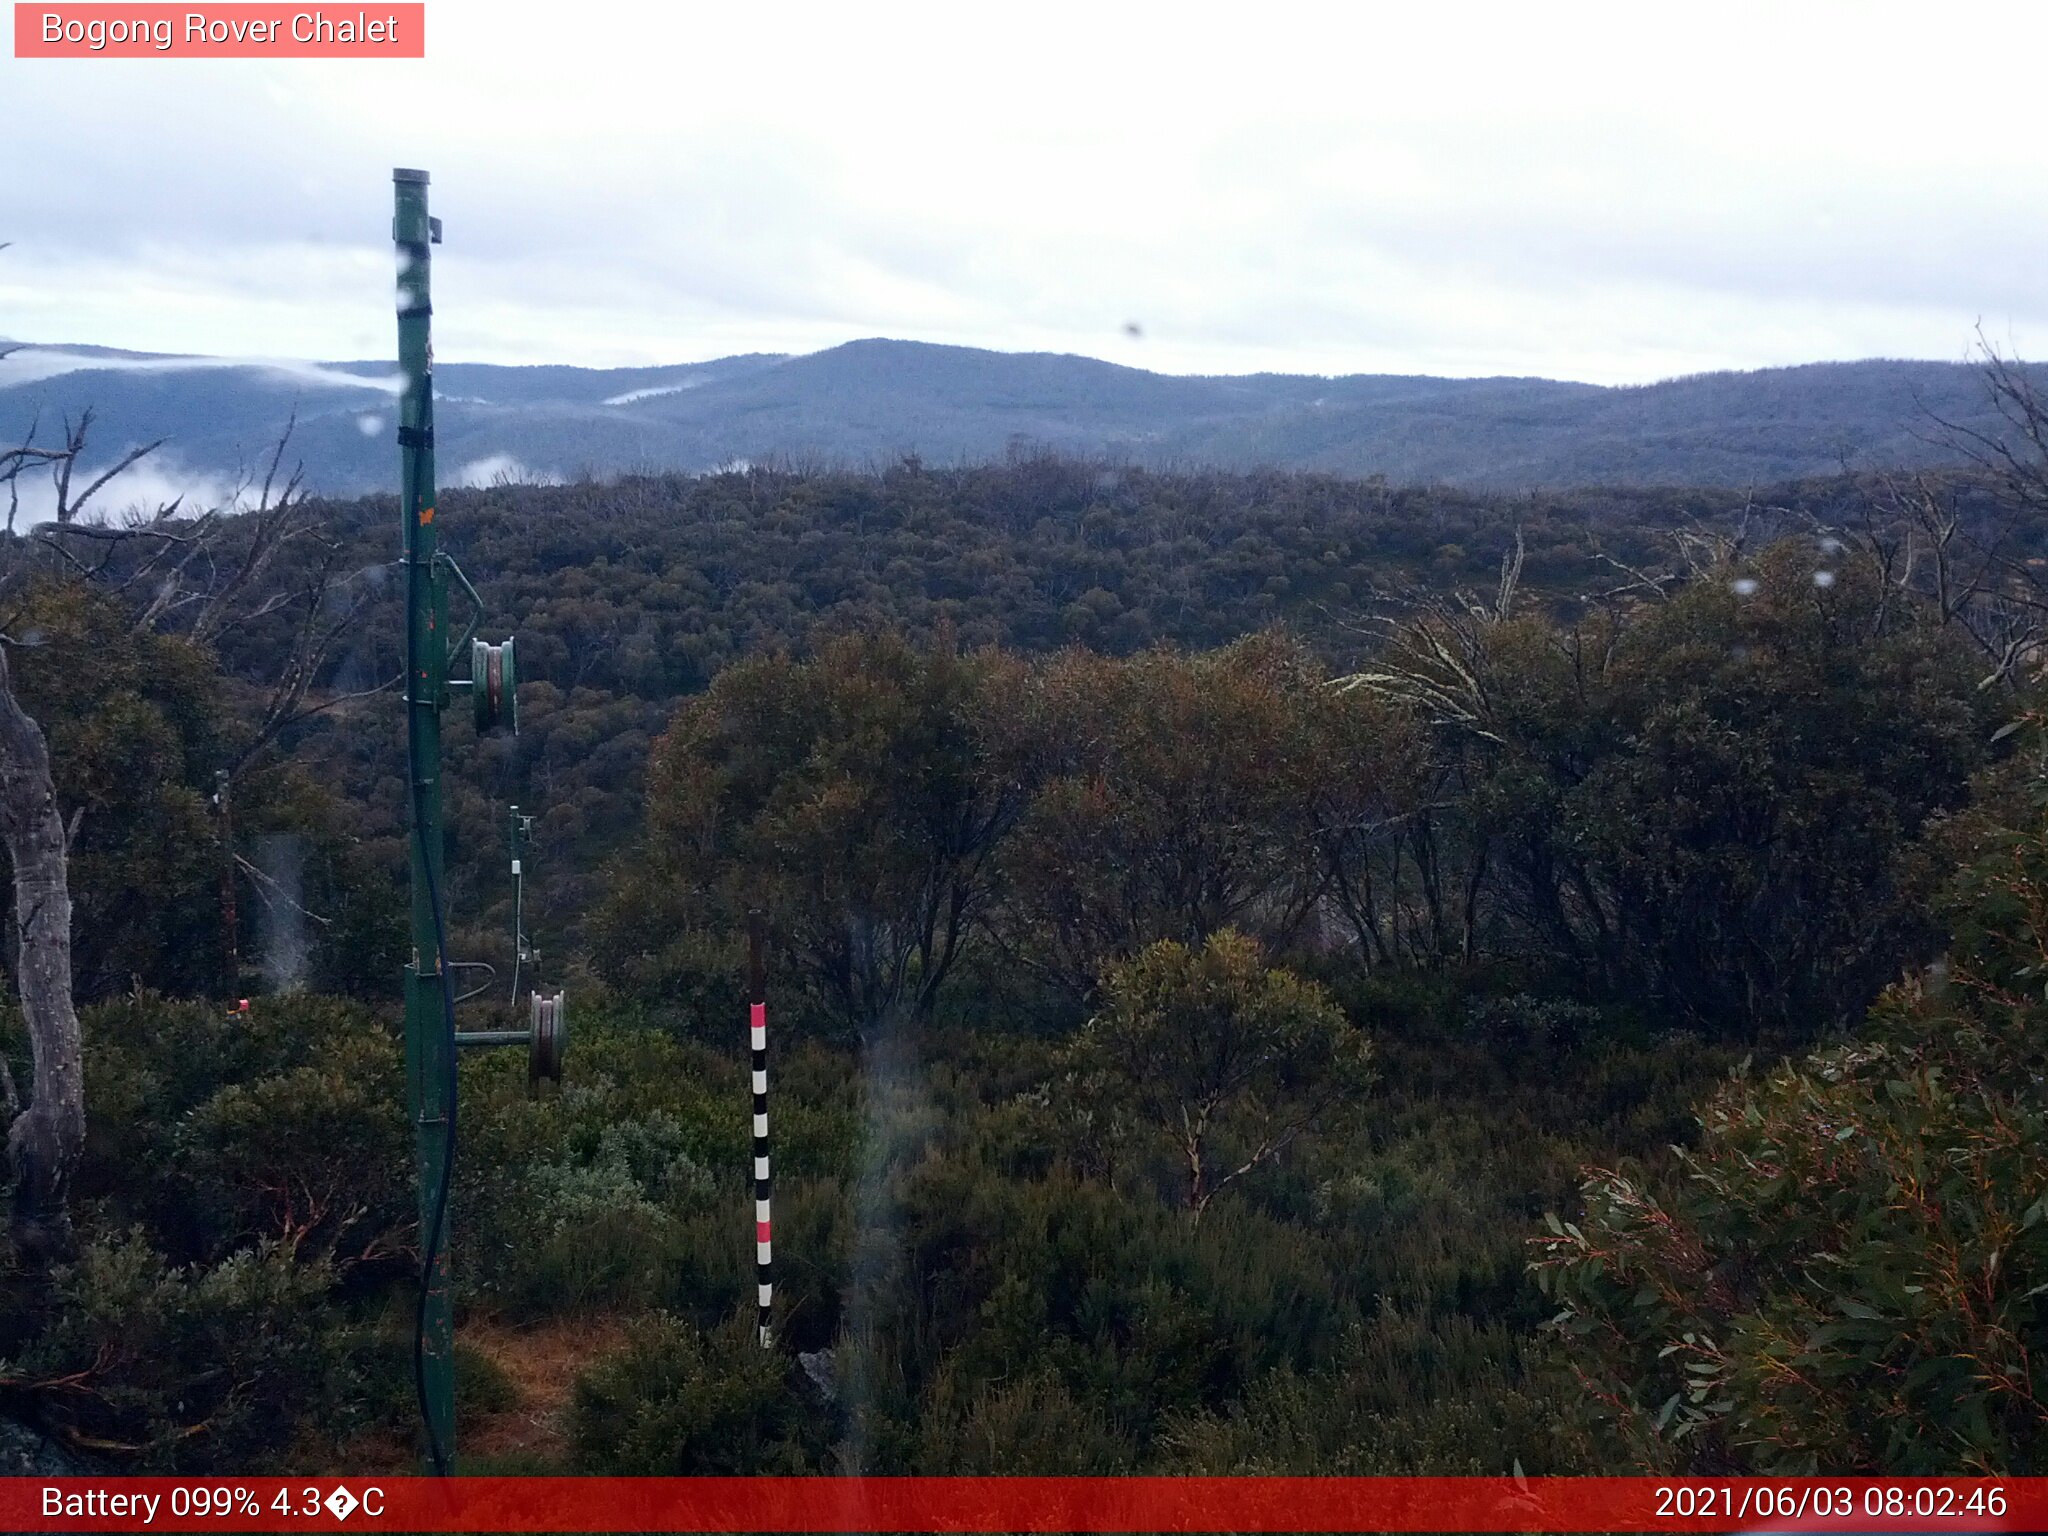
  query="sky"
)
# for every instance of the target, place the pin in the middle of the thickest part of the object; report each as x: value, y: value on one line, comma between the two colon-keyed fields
x: 1607, y: 193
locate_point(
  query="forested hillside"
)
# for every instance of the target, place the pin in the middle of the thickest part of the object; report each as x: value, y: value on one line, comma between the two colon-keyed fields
x: 1271, y: 972
x: 869, y: 403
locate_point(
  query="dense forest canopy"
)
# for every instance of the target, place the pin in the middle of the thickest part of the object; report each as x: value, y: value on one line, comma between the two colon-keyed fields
x: 1212, y: 919
x: 630, y: 596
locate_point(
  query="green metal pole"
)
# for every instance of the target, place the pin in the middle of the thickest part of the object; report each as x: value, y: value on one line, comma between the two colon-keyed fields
x: 518, y: 901
x: 429, y: 1056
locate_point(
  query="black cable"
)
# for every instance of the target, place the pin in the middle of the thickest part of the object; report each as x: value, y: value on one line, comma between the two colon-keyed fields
x: 431, y: 1239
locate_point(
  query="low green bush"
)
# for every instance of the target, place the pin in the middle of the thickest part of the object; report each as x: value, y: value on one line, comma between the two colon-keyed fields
x: 678, y: 1400
x: 199, y: 1368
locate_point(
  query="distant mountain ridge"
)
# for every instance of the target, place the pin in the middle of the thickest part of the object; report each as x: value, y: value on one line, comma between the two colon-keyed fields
x: 871, y: 402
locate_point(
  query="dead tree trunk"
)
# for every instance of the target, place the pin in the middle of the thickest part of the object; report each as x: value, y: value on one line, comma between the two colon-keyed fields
x: 44, y: 1142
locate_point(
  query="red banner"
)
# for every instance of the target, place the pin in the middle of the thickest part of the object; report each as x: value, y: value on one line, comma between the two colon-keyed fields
x: 1119, y: 1504
x: 377, y: 30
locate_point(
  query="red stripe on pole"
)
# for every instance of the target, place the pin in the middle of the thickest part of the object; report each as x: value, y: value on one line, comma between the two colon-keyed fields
x: 757, y: 1015
x: 1023, y: 1504
x: 760, y: 1231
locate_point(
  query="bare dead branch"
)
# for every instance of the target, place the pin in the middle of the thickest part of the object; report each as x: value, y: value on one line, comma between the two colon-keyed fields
x: 67, y: 514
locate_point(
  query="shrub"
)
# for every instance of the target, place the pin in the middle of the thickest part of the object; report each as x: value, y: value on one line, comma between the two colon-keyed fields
x: 1521, y: 1022
x: 597, y: 1195
x: 1031, y: 1426
x: 678, y: 1401
x: 317, y: 1157
x: 211, y: 1131
x: 1226, y: 1061
x: 597, y: 1225
x: 188, y: 1369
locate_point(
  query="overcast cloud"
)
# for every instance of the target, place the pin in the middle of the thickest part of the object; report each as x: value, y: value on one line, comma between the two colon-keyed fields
x: 1605, y: 193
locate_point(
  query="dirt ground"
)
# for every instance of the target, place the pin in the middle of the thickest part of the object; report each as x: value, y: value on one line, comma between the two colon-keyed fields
x: 542, y: 1361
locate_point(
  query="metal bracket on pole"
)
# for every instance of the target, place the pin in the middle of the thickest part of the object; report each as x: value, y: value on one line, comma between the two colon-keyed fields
x: 546, y: 1037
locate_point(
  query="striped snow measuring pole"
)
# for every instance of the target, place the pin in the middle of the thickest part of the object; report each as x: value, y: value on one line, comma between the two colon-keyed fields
x: 757, y: 1031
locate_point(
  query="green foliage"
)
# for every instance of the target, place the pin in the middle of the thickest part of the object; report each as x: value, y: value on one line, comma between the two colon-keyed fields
x: 646, y: 599
x: 635, y: 595
x: 317, y: 1156
x: 1752, y: 840
x: 893, y: 808
x: 1714, y: 806
x: 1708, y: 809
x: 1224, y: 1060
x: 1405, y: 1393
x: 316, y: 878
x: 1176, y: 795
x: 1520, y: 1021
x: 1556, y: 906
x: 856, y: 800
x: 678, y: 1401
x: 598, y: 1226
x: 972, y: 1426
x: 212, y: 1129
x: 1135, y: 1312
x: 137, y: 724
x: 244, y: 1174
x: 608, y: 1192
x: 692, y: 978
x: 1847, y: 1276
x: 988, y: 1305
x: 187, y: 1369
x: 133, y: 724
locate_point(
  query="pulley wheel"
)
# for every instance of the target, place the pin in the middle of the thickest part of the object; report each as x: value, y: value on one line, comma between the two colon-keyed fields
x: 494, y: 686
x: 547, y: 1037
